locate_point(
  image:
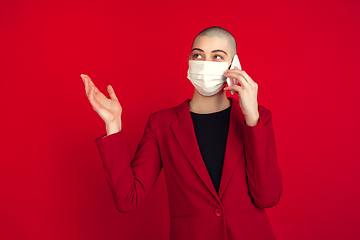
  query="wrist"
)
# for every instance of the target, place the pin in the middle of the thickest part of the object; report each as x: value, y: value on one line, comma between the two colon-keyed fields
x: 252, y: 120
x: 113, y: 127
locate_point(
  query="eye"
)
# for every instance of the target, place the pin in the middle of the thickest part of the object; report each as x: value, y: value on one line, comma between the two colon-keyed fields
x: 196, y: 56
x: 218, y: 57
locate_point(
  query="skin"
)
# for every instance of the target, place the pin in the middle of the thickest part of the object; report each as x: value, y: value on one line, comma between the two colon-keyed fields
x: 210, y: 49
x: 204, y: 49
x: 217, y: 49
x: 108, y: 109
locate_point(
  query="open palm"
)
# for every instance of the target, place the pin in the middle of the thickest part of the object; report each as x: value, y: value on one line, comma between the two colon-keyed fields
x: 108, y: 109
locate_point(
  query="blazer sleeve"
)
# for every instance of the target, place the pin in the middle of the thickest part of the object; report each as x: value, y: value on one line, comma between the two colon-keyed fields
x: 263, y: 173
x: 130, y: 180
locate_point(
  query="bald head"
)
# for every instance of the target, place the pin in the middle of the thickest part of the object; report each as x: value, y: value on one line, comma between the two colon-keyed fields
x: 221, y: 33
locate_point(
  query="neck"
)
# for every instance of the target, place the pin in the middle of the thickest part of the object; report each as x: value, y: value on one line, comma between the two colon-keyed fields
x: 203, y: 105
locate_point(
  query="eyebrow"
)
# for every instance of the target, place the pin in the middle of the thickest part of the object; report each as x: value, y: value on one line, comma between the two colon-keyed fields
x: 214, y: 51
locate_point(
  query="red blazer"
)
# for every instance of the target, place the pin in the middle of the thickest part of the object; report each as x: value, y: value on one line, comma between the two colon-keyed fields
x: 250, y: 181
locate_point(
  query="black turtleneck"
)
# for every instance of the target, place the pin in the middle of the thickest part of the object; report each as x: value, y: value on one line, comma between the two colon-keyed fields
x: 211, y: 133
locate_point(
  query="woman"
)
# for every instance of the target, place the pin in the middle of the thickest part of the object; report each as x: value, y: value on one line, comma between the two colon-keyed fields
x: 218, y: 153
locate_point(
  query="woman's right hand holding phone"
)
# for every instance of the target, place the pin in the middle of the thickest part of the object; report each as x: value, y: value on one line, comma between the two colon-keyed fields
x: 108, y: 109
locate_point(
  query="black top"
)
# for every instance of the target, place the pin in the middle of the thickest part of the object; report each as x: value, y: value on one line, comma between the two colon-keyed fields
x: 211, y: 133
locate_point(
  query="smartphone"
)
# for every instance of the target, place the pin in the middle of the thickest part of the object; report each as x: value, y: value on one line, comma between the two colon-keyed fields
x: 232, y: 81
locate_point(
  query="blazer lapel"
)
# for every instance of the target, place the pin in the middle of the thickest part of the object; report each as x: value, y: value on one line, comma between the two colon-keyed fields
x: 234, y: 144
x: 183, y: 129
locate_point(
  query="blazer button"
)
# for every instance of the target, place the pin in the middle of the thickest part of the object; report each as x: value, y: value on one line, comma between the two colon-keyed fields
x: 218, y: 212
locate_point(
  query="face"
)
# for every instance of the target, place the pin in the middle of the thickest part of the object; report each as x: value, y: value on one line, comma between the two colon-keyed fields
x: 210, y: 49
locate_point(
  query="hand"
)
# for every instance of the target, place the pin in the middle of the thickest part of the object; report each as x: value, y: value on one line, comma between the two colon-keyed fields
x: 108, y: 109
x: 247, y: 92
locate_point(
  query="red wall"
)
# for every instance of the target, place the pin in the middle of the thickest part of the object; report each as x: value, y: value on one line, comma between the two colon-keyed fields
x: 303, y: 54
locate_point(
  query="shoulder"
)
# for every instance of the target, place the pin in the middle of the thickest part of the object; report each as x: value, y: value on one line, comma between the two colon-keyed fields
x: 164, y: 113
x: 168, y: 115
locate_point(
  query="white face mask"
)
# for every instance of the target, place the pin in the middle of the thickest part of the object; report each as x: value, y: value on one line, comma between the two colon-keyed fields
x: 207, y: 76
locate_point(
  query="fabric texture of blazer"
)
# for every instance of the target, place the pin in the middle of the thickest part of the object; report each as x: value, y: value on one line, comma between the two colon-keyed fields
x: 250, y: 180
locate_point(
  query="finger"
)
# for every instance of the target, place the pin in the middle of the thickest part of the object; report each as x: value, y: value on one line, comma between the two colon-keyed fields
x: 238, y: 76
x: 249, y: 80
x: 96, y: 106
x: 235, y: 88
x: 88, y: 83
x: 84, y: 77
x: 88, y: 79
x: 111, y: 93
x: 247, y: 77
x: 92, y: 84
x: 85, y: 83
x: 99, y: 96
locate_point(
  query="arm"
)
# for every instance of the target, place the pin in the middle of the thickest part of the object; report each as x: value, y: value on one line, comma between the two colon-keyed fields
x: 108, y: 109
x: 130, y: 181
x: 263, y: 173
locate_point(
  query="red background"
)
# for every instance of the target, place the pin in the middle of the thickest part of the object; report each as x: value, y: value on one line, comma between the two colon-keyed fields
x: 303, y: 54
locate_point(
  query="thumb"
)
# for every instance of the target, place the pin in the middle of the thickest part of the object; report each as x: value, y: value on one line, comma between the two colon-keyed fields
x: 111, y: 93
